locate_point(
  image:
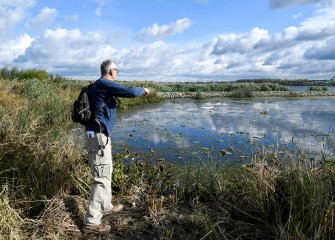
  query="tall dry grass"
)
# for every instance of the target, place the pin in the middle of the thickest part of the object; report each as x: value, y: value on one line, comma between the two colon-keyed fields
x: 38, y: 145
x: 269, y: 199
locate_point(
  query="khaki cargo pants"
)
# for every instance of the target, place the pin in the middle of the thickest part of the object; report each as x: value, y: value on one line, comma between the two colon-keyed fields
x: 101, y: 192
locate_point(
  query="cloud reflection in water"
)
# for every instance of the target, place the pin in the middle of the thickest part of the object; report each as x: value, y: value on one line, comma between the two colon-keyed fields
x: 182, y: 127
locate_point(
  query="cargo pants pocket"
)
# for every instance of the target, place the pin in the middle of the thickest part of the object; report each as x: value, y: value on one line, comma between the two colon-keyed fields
x: 102, y: 170
x: 99, y: 155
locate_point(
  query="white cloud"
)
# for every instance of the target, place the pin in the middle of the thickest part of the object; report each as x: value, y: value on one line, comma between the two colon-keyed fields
x: 301, y: 51
x: 287, y: 54
x: 317, y: 28
x: 12, y: 12
x: 242, y: 44
x: 228, y: 57
x: 322, y: 51
x: 156, y: 31
x: 157, y: 61
x: 297, y: 15
x: 24, y: 4
x: 321, y: 25
x: 45, y: 18
x: 72, y: 53
x: 66, y: 51
x: 11, y: 49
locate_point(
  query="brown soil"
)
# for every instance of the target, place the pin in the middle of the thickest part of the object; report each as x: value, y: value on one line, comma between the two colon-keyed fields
x: 63, y: 217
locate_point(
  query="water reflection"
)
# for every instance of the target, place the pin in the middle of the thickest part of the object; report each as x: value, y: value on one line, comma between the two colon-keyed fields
x: 193, y: 130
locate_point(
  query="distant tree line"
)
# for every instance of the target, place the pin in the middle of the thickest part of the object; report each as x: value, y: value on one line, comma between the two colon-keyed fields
x: 297, y: 82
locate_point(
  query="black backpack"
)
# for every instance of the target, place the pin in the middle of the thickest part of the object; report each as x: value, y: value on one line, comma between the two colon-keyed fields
x: 81, y: 109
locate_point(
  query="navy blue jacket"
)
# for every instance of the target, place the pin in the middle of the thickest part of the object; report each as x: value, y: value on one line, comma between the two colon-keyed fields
x: 104, y: 92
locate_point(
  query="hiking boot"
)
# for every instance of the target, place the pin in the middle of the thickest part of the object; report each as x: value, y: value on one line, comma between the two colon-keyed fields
x: 96, y: 229
x: 114, y: 209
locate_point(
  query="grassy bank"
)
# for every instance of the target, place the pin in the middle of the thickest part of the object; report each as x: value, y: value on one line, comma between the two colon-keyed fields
x: 45, y: 176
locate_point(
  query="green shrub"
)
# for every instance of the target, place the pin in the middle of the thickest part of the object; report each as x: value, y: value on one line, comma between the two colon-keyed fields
x: 34, y: 74
x: 9, y: 73
x: 28, y: 74
x: 317, y: 88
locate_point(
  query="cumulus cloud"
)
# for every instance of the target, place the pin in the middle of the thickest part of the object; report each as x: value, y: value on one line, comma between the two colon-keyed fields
x: 323, y: 51
x: 12, y: 12
x: 291, y: 52
x: 160, y: 61
x: 317, y: 28
x: 44, y: 18
x: 156, y: 31
x: 321, y: 25
x: 66, y: 49
x: 11, y: 49
x: 294, y: 52
x: 70, y: 53
x: 241, y: 44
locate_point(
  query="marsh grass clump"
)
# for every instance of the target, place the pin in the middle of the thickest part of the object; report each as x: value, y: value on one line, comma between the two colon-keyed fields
x: 243, y: 90
x: 242, y: 93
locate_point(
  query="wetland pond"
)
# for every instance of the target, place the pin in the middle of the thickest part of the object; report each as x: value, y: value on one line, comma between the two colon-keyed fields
x: 223, y: 129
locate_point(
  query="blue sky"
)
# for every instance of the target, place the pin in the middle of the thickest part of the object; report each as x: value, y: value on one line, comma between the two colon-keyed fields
x: 171, y: 40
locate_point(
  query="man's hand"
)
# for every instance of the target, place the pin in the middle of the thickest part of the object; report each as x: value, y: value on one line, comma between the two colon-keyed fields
x: 146, y: 91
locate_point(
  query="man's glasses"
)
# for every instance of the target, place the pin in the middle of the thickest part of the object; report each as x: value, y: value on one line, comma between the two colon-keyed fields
x: 117, y: 70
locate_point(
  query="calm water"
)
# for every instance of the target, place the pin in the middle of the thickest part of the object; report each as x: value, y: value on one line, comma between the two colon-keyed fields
x: 187, y: 130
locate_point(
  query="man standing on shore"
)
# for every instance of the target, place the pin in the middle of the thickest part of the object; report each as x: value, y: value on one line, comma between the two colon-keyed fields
x: 98, y: 139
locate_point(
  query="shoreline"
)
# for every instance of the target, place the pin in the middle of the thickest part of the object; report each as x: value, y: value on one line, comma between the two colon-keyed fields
x: 171, y: 95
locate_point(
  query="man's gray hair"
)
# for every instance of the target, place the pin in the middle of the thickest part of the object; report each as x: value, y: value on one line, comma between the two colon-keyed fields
x: 106, y: 66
